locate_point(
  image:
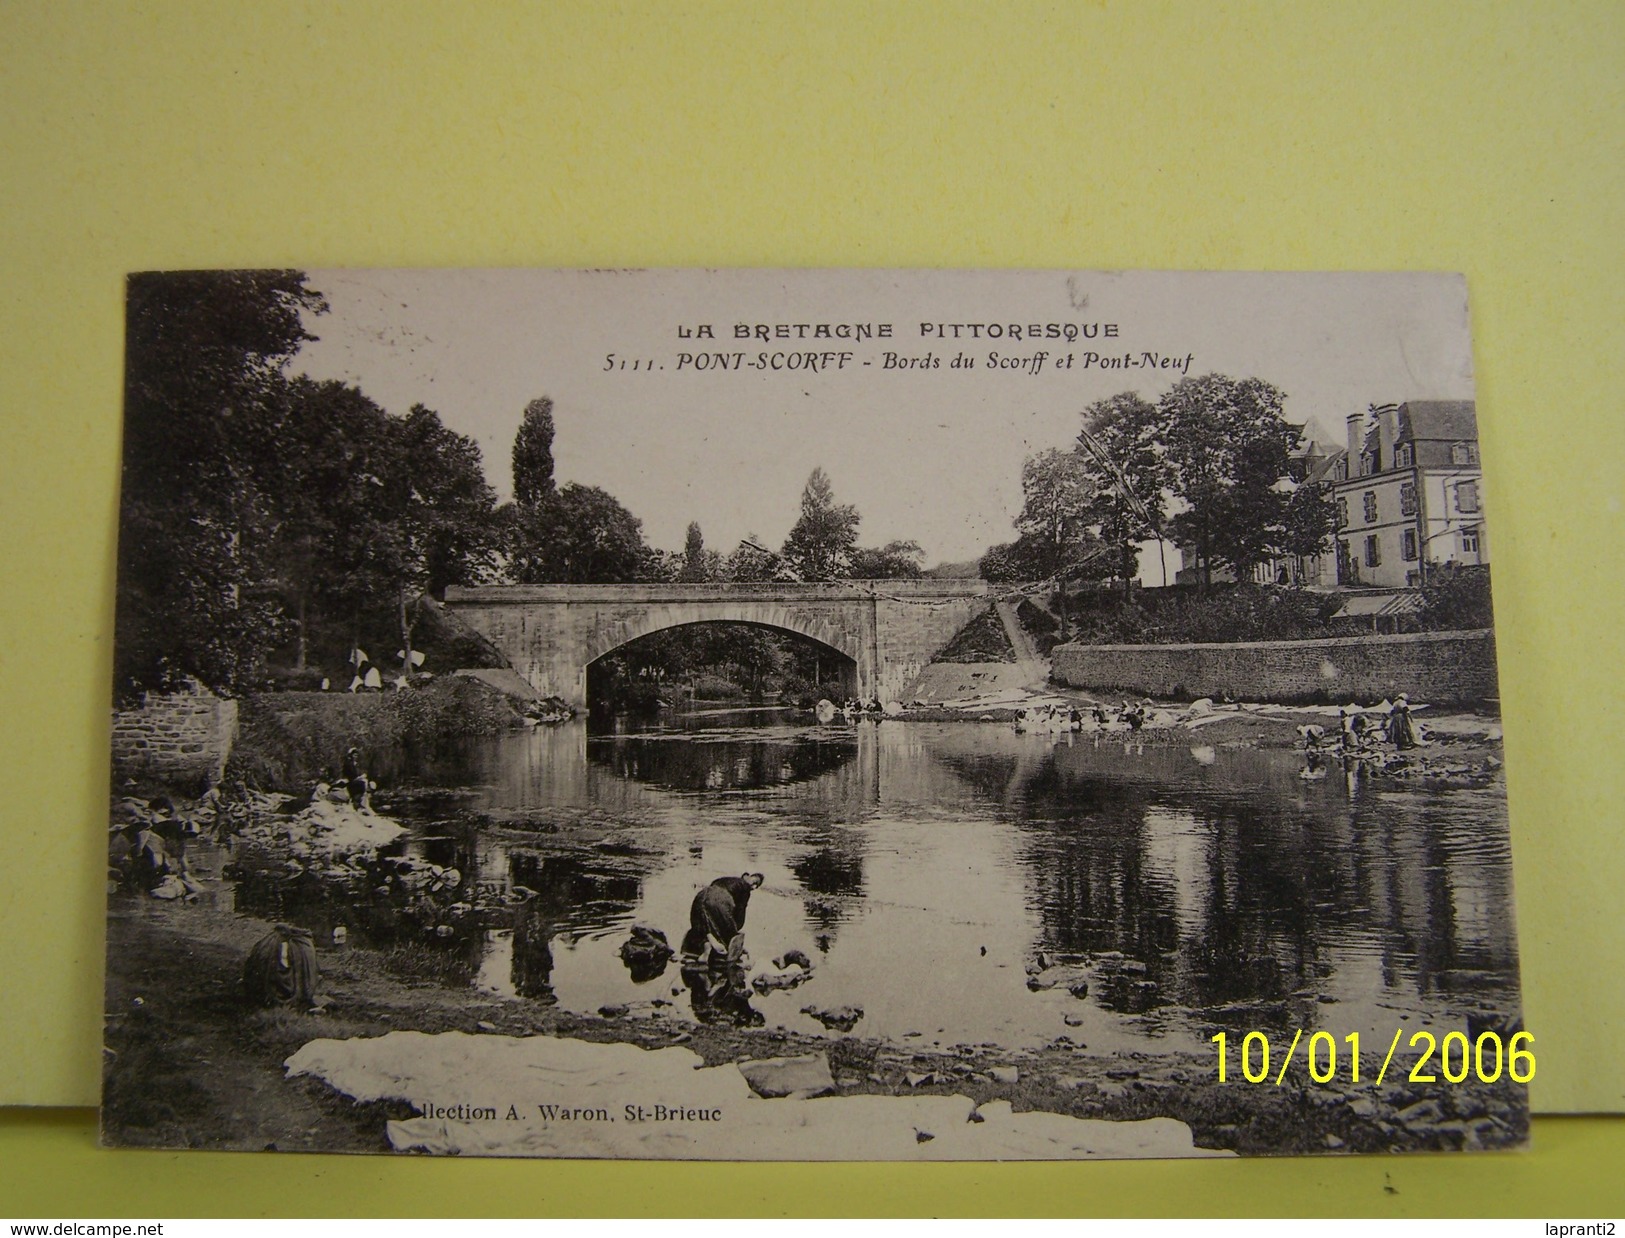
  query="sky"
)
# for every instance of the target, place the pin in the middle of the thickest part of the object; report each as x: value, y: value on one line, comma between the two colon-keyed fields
x: 928, y: 454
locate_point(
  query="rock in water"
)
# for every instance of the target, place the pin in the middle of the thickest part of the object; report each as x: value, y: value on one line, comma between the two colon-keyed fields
x: 646, y: 952
x: 766, y: 981
x: 1064, y: 975
x: 793, y: 958
x: 840, y: 1018
x: 805, y: 1076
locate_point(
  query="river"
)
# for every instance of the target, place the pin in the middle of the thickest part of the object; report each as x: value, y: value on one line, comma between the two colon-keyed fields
x: 926, y: 867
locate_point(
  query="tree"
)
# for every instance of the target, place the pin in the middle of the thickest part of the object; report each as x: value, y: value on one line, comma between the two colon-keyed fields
x: 444, y: 514
x: 1227, y: 449
x: 1123, y: 459
x: 580, y: 535
x: 751, y: 561
x: 820, y: 544
x: 697, y: 563
x: 326, y: 440
x: 1057, y: 491
x: 197, y: 573
x: 897, y: 560
x: 533, y: 453
x: 1309, y: 525
x: 1012, y: 562
x: 408, y: 513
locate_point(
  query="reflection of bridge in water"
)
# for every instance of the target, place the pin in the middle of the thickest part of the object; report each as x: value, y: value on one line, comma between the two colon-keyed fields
x: 885, y: 631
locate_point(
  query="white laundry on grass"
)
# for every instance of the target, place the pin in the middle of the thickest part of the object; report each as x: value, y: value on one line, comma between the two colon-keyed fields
x: 530, y: 1083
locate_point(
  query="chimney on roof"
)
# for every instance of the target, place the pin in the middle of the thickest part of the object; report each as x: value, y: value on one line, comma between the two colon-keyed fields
x: 1356, y: 436
x: 1387, y: 418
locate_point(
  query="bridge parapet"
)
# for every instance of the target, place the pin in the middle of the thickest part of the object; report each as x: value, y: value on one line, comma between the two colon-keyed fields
x: 740, y: 590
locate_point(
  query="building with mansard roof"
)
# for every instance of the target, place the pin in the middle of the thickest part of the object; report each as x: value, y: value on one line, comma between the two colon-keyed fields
x: 1411, y: 495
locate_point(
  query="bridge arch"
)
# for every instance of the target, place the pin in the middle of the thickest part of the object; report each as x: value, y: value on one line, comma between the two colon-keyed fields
x: 841, y: 661
x: 613, y: 636
x: 888, y: 629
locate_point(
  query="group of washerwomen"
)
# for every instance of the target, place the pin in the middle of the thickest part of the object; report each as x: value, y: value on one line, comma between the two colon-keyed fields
x: 281, y: 967
x: 1361, y: 731
x: 1132, y: 716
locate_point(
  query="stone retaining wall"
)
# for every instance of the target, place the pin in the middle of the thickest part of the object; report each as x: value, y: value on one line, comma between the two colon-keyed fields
x: 182, y: 736
x: 1454, y: 667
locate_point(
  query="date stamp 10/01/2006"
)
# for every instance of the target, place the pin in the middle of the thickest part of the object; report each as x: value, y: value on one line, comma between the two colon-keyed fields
x: 1455, y: 1057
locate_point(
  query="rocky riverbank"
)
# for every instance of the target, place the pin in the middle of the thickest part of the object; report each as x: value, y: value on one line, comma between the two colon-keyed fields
x: 188, y: 1065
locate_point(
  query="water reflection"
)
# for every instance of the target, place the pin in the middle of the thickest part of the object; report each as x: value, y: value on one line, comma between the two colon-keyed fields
x: 929, y: 868
x: 729, y: 762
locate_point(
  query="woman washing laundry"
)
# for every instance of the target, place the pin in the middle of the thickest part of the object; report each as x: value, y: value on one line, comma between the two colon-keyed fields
x: 717, y: 920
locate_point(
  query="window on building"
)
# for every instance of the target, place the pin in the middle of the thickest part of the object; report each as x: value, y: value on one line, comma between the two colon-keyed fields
x: 1371, y: 507
x: 1467, y: 496
x: 1342, y: 513
x: 1369, y: 460
x: 1404, y: 456
x: 1469, y: 541
x: 1407, y: 500
x: 1463, y: 453
x: 1373, y: 553
x: 1407, y: 545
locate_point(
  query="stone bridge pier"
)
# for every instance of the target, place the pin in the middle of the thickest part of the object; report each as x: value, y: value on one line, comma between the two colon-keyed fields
x: 886, y: 630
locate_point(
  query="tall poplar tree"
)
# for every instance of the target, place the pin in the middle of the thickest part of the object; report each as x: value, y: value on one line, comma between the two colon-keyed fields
x: 533, y: 453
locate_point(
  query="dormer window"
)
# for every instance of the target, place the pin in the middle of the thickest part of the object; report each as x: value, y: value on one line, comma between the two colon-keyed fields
x: 1404, y: 455
x: 1463, y: 453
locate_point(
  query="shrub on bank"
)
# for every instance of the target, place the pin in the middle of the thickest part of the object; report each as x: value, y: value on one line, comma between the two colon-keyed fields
x: 1454, y: 599
x: 714, y: 688
x: 1457, y: 596
x: 287, y: 740
x: 805, y: 693
x: 1183, y: 614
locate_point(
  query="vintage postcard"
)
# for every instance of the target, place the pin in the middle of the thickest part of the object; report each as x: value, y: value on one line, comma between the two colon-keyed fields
x: 823, y: 715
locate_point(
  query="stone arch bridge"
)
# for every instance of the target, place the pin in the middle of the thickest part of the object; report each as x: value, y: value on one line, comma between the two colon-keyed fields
x: 885, y: 630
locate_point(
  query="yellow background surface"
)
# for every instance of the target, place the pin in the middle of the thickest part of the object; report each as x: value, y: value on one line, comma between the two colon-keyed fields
x: 1479, y: 138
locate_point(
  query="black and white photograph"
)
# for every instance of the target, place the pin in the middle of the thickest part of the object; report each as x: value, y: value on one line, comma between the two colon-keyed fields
x: 845, y: 715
